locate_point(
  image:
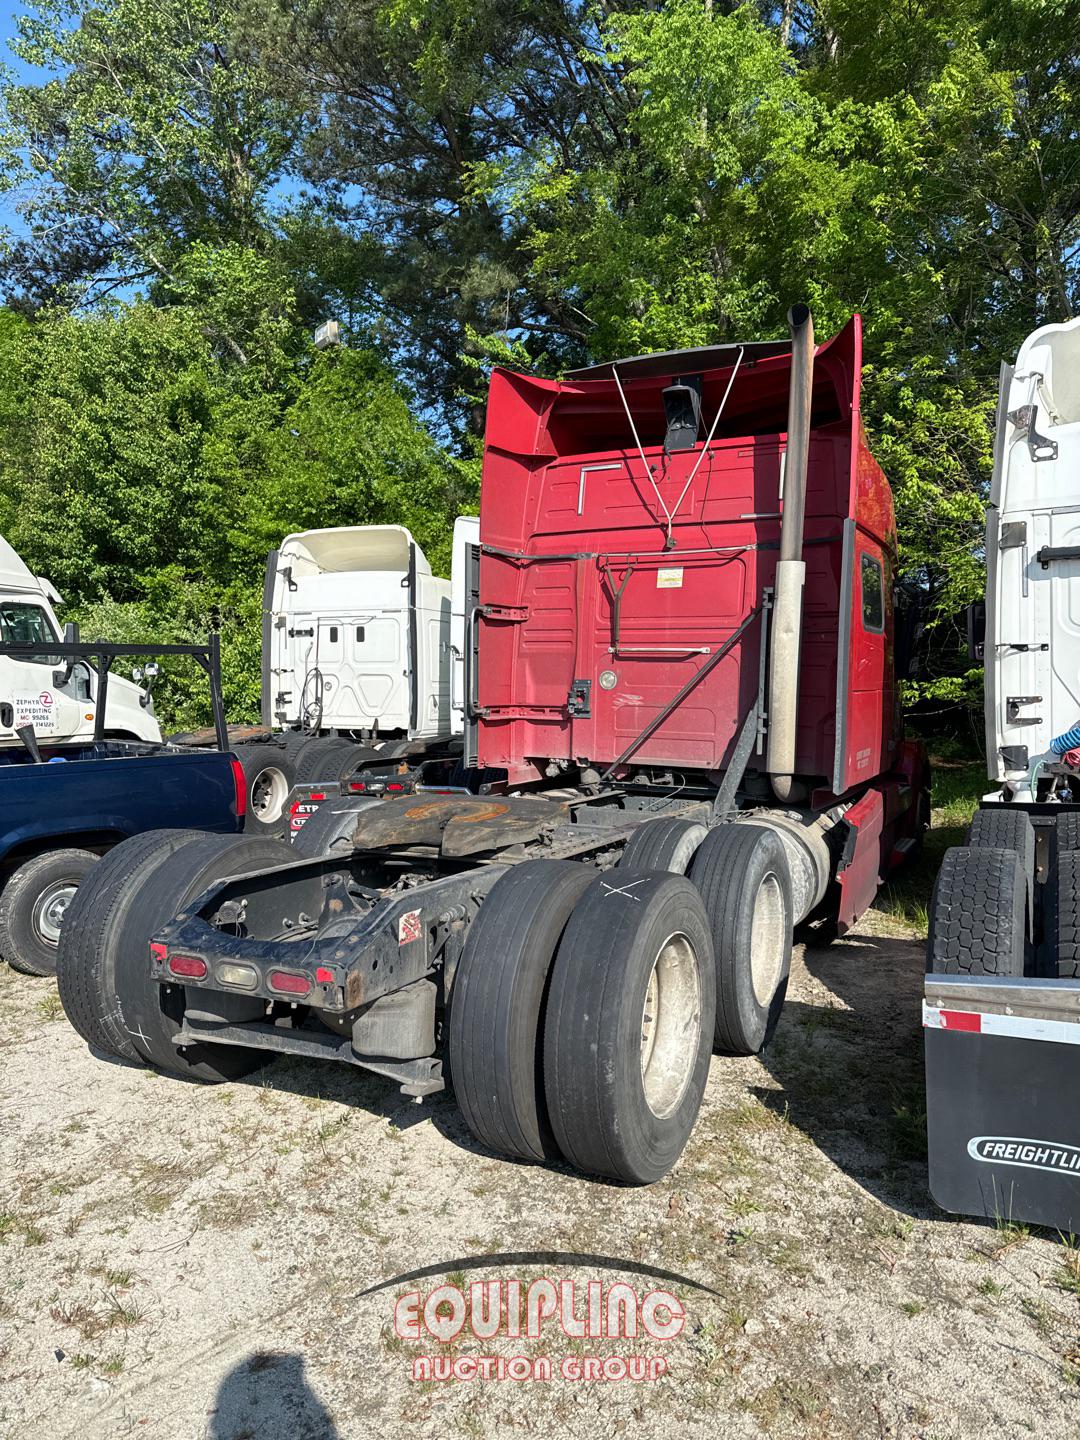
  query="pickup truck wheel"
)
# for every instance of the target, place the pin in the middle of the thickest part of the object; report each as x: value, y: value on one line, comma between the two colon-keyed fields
x: 978, y: 914
x: 81, y: 953
x: 329, y: 831
x: 323, y: 759
x: 663, y: 845
x: 33, y: 905
x: 270, y: 776
x: 628, y: 1027
x: 743, y: 876
x: 497, y: 1004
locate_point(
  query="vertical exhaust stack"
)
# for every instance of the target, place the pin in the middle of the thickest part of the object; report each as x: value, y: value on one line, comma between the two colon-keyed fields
x: 791, y: 568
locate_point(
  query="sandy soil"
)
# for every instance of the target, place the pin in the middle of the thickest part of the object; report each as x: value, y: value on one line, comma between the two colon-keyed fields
x: 186, y: 1263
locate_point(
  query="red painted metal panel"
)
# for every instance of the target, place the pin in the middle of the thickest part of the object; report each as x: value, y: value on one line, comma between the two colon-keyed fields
x: 575, y: 530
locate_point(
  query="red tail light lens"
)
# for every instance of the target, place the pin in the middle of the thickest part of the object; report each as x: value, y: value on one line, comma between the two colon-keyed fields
x: 189, y: 967
x: 395, y: 786
x: 239, y: 781
x: 285, y: 984
x: 357, y: 786
x: 317, y: 795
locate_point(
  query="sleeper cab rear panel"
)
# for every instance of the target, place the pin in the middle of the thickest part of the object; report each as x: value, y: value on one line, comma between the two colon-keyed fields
x: 587, y: 592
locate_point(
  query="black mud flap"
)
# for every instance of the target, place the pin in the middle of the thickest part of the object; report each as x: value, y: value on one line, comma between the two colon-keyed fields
x: 1002, y: 1086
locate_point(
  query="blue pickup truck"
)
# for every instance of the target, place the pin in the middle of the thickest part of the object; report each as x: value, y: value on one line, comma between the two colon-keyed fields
x: 63, y: 806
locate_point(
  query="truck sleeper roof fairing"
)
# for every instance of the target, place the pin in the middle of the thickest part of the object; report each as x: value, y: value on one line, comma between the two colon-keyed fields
x: 351, y: 547
x: 15, y: 574
x: 590, y: 622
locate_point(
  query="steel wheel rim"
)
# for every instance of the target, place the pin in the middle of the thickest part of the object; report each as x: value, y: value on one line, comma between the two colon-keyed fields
x: 269, y: 790
x: 767, y: 939
x: 670, y: 1025
x: 50, y: 909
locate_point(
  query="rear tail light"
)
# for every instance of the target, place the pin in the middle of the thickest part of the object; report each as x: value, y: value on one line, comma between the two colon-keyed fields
x: 317, y: 795
x: 357, y: 786
x: 239, y: 780
x: 285, y: 983
x: 395, y: 786
x: 245, y: 977
x: 189, y: 967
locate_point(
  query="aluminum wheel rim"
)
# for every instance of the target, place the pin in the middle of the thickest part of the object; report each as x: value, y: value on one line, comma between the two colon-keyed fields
x: 767, y: 937
x: 269, y: 790
x: 670, y: 1025
x: 50, y: 909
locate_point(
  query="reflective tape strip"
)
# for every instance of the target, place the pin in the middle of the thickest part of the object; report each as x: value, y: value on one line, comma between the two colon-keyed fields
x: 1020, y: 1027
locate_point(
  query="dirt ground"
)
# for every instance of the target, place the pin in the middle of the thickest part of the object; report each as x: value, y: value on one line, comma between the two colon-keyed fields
x: 186, y: 1263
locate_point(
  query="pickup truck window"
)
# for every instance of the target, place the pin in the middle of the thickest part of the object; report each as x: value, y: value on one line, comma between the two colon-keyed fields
x: 22, y: 624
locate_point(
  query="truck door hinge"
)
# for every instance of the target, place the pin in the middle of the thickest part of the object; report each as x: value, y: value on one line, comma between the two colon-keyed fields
x: 1012, y: 709
x: 578, y: 701
x: 1013, y: 534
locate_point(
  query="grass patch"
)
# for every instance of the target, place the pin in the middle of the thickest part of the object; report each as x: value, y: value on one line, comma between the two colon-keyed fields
x: 1008, y: 1235
x: 1068, y: 1272
x: 958, y: 784
x: 49, y: 1006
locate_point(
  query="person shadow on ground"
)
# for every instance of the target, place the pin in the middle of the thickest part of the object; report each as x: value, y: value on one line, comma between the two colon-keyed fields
x: 267, y: 1397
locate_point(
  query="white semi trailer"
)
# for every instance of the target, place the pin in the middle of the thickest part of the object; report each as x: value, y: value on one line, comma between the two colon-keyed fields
x: 58, y: 699
x: 1001, y: 1009
x: 362, y: 660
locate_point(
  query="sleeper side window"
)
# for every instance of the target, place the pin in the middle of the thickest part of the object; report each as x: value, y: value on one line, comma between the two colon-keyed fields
x: 873, y: 595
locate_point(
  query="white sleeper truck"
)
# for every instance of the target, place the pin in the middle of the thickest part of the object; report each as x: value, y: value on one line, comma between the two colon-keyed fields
x: 1001, y: 1009
x: 58, y: 699
x: 362, y: 662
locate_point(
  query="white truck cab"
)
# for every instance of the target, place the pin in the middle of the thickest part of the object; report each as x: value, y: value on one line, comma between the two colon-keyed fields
x: 357, y: 635
x: 1032, y: 638
x: 57, y: 699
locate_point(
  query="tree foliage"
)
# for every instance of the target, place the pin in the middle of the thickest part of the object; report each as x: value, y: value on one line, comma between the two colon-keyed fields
x: 461, y: 182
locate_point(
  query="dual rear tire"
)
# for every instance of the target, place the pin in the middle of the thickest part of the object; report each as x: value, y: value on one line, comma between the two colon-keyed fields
x: 103, y: 959
x: 580, y: 1018
x: 586, y: 1004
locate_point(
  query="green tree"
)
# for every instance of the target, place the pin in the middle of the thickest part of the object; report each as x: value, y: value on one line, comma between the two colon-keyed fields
x: 157, y: 128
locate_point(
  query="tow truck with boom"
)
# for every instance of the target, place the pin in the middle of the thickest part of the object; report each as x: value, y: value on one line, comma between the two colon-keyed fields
x: 679, y: 655
x: 1001, y: 1010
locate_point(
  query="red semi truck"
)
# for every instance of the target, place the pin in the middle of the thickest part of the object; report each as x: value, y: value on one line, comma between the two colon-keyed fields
x: 682, y: 740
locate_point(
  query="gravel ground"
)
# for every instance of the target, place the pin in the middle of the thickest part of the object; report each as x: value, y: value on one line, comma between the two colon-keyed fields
x: 187, y: 1263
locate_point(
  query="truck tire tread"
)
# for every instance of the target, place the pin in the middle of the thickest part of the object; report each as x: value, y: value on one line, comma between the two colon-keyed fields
x: 729, y: 868
x: 80, y: 952
x: 593, y: 1026
x: 665, y: 844
x: 497, y: 1006
x: 1067, y: 886
x: 978, y: 920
